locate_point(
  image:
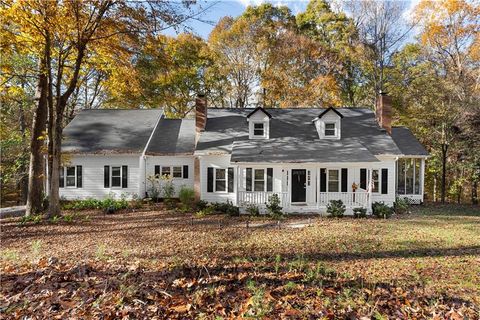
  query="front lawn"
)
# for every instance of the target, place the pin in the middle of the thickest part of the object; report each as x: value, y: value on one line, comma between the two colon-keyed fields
x: 170, y: 265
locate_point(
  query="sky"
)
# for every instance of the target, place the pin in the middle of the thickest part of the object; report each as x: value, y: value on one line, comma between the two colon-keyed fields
x: 214, y: 10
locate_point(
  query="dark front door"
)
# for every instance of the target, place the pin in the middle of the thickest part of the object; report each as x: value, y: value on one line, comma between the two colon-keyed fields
x: 299, y: 189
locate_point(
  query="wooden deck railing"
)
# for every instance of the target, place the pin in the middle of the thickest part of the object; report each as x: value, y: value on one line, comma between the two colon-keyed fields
x: 260, y: 198
x: 349, y: 199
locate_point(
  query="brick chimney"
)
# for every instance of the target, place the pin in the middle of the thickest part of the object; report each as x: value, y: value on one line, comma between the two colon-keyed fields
x: 383, y: 111
x: 200, y: 114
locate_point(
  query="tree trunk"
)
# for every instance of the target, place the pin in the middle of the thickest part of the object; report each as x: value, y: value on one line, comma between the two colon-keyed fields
x: 35, y: 173
x: 54, y: 193
x: 444, y: 171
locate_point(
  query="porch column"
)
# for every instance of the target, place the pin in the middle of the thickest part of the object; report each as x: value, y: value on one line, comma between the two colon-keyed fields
x: 422, y: 177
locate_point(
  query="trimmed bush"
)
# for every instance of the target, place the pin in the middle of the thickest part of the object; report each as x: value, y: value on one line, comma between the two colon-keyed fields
x: 336, y: 208
x: 226, y: 207
x: 252, y: 209
x: 273, y: 206
x: 381, y: 210
x: 202, y: 204
x: 360, y: 212
x: 401, y: 206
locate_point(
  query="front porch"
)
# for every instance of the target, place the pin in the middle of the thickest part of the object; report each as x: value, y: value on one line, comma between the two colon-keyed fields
x: 350, y: 200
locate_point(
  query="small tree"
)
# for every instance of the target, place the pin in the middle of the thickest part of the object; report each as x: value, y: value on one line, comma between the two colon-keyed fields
x: 168, y: 191
x: 273, y: 206
x: 336, y: 208
x: 187, y: 198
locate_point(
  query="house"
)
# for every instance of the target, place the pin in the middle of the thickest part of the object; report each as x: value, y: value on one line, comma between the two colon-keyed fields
x: 306, y: 156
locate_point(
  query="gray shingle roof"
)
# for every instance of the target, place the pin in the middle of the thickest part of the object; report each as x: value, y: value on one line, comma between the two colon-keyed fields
x: 407, y: 143
x: 173, y: 136
x: 293, y: 137
x: 110, y: 131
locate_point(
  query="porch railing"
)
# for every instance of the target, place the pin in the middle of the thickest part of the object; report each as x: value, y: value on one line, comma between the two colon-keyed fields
x: 349, y: 199
x: 260, y: 198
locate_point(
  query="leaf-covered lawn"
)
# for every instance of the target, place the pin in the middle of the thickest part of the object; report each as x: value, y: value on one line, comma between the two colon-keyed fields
x: 147, y: 264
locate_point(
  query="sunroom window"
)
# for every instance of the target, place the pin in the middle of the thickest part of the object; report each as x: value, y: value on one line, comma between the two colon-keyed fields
x: 408, y: 176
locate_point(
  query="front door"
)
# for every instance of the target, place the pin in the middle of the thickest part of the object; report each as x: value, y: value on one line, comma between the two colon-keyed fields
x: 299, y: 188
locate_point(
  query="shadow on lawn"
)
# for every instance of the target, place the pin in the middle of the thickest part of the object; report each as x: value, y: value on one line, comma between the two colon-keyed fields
x: 215, y: 289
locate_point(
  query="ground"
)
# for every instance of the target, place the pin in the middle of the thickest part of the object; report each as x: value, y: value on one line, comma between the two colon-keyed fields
x: 170, y: 265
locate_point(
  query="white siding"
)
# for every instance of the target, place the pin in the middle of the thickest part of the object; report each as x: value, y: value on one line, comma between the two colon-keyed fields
x: 92, y: 172
x: 152, y: 161
x: 217, y: 161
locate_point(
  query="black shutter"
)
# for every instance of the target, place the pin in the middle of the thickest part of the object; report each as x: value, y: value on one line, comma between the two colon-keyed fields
x: 79, y: 176
x: 185, y: 172
x: 61, y: 181
x: 157, y: 170
x: 106, y: 176
x: 323, y: 180
x: 344, y: 179
x: 209, y: 179
x: 363, y: 179
x: 248, y: 179
x: 269, y: 179
x: 230, y: 179
x: 124, y: 176
x: 384, y: 181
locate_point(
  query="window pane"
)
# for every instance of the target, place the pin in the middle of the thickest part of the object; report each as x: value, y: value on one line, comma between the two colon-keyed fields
x: 333, y: 181
x: 116, y: 181
x: 166, y: 171
x: 258, y: 129
x: 70, y: 181
x: 115, y: 171
x: 177, y: 172
x: 330, y: 126
x: 259, y: 185
x: 220, y: 185
x: 409, y: 176
x: 375, y: 180
x: 258, y: 125
x: 417, y: 176
x: 220, y: 173
x: 259, y: 174
x: 401, y: 177
x: 70, y: 171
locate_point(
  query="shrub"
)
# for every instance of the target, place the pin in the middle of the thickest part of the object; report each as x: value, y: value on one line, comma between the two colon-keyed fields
x: 202, y: 204
x: 273, y: 206
x: 154, y: 189
x: 381, y: 210
x: 336, y: 208
x: 401, y: 206
x: 252, y: 209
x: 226, y: 207
x: 360, y: 212
x: 204, y: 212
x: 187, y: 197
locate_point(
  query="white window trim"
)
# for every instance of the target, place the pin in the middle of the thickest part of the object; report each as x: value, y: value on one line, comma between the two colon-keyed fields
x: 111, y: 176
x: 215, y: 180
x: 171, y: 171
x: 65, y: 177
x: 379, y: 180
x: 339, y: 179
x: 264, y: 179
x: 335, y: 130
x: 264, y: 136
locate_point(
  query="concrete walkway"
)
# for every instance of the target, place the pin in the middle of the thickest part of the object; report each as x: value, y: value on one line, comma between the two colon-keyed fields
x: 12, y: 212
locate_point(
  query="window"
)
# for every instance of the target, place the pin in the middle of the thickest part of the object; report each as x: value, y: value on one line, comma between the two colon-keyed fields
x: 116, y: 177
x: 177, y: 172
x: 220, y: 180
x: 408, y: 176
x: 375, y: 181
x: 71, y: 177
x: 258, y: 129
x: 330, y: 130
x: 259, y: 183
x: 333, y: 180
x: 166, y: 171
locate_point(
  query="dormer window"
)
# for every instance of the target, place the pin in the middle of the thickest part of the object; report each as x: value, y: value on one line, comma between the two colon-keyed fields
x: 330, y: 130
x: 259, y: 129
x: 259, y: 124
x: 328, y: 124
